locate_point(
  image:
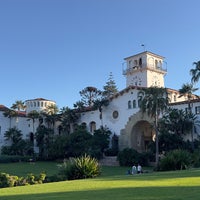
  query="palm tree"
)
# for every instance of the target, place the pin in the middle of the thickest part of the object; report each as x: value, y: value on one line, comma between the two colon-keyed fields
x: 33, y: 115
x: 192, y: 124
x: 195, y: 72
x: 188, y: 90
x: 10, y: 114
x: 18, y: 105
x: 51, y: 115
x: 14, y: 135
x: 68, y: 118
x: 154, y: 102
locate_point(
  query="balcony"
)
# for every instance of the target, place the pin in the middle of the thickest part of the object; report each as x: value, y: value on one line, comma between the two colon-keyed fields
x: 132, y: 69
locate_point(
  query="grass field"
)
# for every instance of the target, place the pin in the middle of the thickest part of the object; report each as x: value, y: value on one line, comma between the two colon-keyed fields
x: 112, y: 184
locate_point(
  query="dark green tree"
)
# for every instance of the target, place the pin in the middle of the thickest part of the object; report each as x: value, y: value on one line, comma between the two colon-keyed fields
x: 89, y: 95
x: 44, y: 139
x: 100, y: 141
x: 68, y: 118
x: 79, y: 143
x: 110, y: 88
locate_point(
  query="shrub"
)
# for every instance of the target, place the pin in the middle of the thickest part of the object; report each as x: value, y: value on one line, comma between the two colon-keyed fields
x: 196, y: 159
x: 175, y: 160
x: 7, y: 181
x: 80, y: 168
x: 33, y: 179
x: 129, y: 156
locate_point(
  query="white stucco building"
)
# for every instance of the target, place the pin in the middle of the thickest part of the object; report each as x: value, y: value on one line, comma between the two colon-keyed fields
x: 122, y: 115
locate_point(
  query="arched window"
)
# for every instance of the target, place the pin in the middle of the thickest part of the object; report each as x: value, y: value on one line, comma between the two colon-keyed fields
x: 139, y: 102
x: 134, y: 103
x: 140, y: 62
x: 129, y: 104
x: 92, y: 126
x: 156, y: 64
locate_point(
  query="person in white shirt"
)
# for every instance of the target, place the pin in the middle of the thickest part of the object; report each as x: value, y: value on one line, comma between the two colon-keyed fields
x: 139, y: 169
x: 134, y: 169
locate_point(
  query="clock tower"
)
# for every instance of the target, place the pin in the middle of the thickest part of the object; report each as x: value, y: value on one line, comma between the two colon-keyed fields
x: 145, y: 69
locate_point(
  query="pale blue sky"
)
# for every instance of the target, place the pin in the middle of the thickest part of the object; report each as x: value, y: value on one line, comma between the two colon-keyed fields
x: 55, y: 48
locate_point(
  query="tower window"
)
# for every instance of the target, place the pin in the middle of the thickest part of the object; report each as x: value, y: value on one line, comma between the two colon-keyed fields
x: 129, y: 104
x: 140, y: 62
x: 134, y: 103
x: 156, y: 64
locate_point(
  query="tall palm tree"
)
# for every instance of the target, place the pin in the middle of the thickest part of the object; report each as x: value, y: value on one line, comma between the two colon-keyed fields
x: 154, y: 102
x: 33, y: 115
x: 18, y: 105
x: 195, y: 72
x: 51, y: 115
x: 10, y: 114
x: 188, y: 90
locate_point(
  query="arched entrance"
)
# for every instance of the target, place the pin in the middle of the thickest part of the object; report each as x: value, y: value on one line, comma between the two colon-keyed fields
x: 141, y: 135
x: 138, y: 133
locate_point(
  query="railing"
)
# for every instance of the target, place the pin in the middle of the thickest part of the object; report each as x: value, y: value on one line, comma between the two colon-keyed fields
x: 132, y: 68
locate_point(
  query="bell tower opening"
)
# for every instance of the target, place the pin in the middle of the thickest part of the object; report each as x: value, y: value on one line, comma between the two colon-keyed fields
x: 145, y: 69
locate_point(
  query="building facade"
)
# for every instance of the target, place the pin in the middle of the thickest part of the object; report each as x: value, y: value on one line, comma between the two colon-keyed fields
x: 122, y: 116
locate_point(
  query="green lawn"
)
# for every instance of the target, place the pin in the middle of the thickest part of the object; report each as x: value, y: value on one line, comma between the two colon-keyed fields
x: 112, y: 184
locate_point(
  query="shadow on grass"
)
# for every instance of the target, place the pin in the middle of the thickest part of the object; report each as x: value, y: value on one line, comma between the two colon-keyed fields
x: 134, y: 193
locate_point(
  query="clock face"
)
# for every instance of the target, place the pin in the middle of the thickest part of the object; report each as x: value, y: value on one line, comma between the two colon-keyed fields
x: 136, y: 81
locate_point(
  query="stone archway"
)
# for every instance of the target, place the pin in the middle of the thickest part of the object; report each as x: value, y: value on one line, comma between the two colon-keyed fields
x: 138, y: 132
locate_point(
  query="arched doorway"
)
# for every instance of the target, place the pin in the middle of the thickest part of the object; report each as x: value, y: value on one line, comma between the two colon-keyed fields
x: 141, y: 135
x: 138, y: 133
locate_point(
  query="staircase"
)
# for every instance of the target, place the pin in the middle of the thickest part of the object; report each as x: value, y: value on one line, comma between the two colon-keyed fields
x: 109, y: 161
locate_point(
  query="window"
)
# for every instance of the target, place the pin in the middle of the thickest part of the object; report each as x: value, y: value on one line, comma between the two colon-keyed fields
x: 92, y: 126
x: 34, y: 104
x: 135, y: 62
x: 174, y: 98
x: 129, y: 104
x: 140, y: 62
x: 197, y: 110
x: 130, y: 63
x: 156, y: 64
x: 38, y: 104
x: 139, y: 102
x: 42, y: 104
x: 115, y: 114
x: 134, y: 103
